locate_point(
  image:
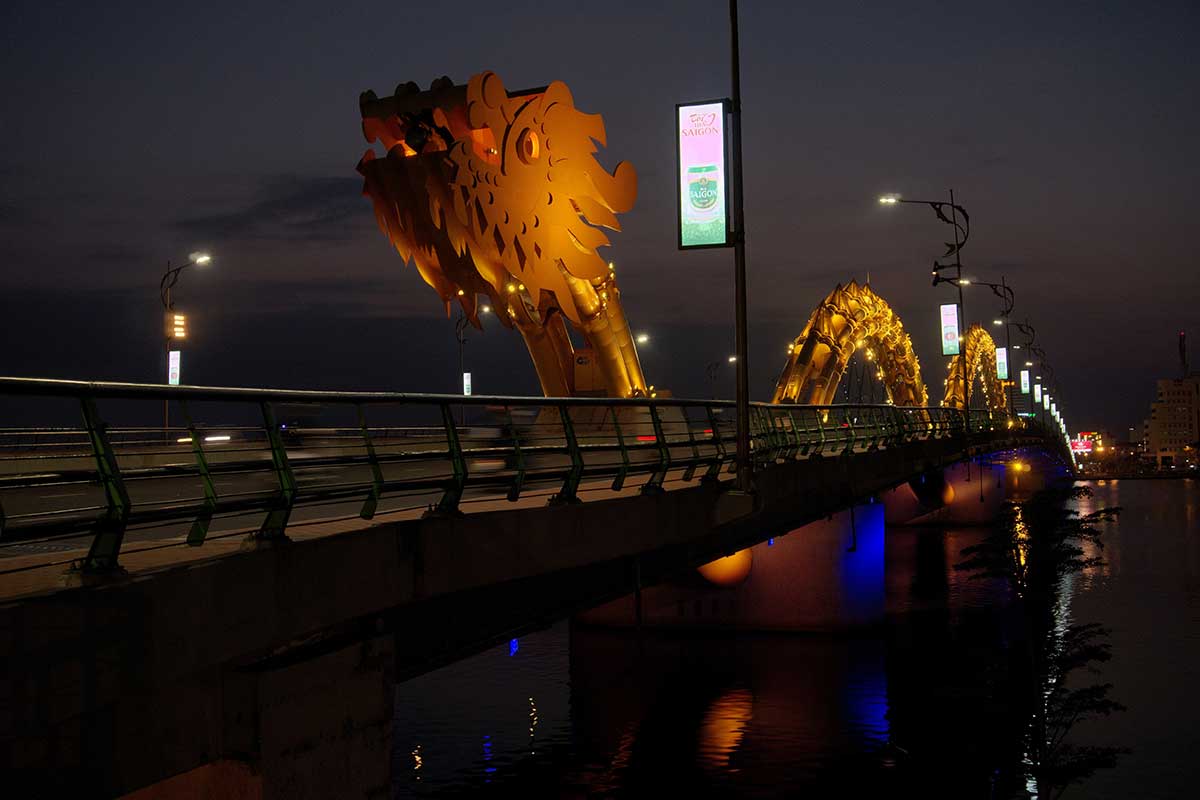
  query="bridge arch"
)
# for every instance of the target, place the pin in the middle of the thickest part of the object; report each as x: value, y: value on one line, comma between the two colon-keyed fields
x: 979, y: 350
x: 850, y: 318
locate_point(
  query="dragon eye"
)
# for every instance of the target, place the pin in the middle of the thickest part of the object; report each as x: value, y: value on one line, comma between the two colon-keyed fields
x: 528, y: 146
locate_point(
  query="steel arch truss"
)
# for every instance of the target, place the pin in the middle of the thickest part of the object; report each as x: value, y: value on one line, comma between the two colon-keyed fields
x: 849, y: 319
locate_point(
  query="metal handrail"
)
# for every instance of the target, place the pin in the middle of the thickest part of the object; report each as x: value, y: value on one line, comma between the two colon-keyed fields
x: 137, y: 474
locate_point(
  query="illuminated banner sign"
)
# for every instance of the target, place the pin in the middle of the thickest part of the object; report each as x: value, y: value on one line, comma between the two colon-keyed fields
x: 1037, y: 393
x: 1054, y: 410
x: 1024, y: 381
x: 949, y: 329
x: 1081, y: 446
x: 700, y: 179
x: 467, y: 383
x: 1002, y: 363
x: 173, y: 358
x: 1046, y: 401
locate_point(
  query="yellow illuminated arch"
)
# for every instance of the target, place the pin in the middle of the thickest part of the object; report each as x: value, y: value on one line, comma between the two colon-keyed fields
x: 979, y: 350
x: 851, y: 318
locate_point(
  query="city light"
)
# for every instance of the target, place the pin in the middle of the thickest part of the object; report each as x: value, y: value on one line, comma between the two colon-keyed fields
x: 642, y: 338
x: 485, y: 309
x: 890, y: 199
x: 997, y: 322
x: 733, y: 359
x: 200, y: 258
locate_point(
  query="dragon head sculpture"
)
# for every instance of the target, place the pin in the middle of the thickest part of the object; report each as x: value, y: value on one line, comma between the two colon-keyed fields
x: 500, y: 194
x: 511, y: 181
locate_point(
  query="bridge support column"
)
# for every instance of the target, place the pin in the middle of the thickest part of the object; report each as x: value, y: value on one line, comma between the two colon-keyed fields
x: 325, y: 725
x: 315, y: 729
x: 825, y: 576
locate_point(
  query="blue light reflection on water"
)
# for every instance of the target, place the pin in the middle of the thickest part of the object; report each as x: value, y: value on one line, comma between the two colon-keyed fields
x: 862, y: 565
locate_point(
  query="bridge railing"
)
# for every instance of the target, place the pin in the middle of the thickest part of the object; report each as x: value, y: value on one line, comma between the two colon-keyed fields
x: 229, y: 453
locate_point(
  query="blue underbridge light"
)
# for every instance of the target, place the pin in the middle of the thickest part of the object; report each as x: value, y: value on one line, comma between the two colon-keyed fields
x: 513, y: 647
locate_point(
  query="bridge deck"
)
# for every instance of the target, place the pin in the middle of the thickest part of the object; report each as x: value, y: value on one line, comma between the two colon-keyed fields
x: 32, y: 569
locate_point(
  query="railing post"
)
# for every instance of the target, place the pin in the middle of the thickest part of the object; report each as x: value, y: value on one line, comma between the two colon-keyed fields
x: 371, y: 504
x: 690, y: 472
x: 567, y: 493
x: 653, y: 484
x: 822, y: 416
x: 796, y: 443
x: 713, y: 472
x: 199, y: 529
x: 619, y: 478
x: 110, y: 528
x: 458, y: 466
x: 276, y: 521
x: 514, y: 491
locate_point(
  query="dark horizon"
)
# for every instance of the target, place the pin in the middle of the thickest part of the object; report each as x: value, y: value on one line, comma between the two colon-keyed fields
x: 134, y: 139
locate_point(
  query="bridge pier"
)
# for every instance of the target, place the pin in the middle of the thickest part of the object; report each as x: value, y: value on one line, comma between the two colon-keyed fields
x: 825, y: 576
x: 313, y: 729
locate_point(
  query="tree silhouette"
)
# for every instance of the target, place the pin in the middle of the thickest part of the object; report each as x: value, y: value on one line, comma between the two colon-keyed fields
x: 1035, y: 545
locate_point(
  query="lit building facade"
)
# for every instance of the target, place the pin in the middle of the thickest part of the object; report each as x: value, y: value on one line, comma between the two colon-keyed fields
x: 1173, y: 430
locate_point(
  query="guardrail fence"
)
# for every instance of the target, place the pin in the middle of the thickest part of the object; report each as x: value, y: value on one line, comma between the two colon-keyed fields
x: 268, y: 452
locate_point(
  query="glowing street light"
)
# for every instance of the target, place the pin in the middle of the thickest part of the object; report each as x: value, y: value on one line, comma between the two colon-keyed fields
x: 733, y: 359
x: 643, y: 338
x: 959, y: 221
x: 176, y: 327
x: 997, y: 322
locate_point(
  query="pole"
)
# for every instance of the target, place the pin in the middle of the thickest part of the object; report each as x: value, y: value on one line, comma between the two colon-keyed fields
x: 460, y: 326
x: 167, y: 359
x: 744, y: 477
x: 962, y: 327
x: 962, y: 317
x: 1012, y: 400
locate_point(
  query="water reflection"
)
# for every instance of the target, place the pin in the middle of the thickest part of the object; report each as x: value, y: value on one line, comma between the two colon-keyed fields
x: 1038, y: 548
x: 725, y: 713
x: 723, y: 727
x: 974, y: 688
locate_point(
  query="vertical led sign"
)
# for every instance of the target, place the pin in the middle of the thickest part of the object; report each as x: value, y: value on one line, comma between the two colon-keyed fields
x: 173, y: 367
x: 1024, y: 381
x: 1002, y: 363
x: 949, y: 329
x: 700, y: 175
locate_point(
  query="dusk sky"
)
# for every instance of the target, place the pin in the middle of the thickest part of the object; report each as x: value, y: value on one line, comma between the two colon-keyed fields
x: 137, y: 133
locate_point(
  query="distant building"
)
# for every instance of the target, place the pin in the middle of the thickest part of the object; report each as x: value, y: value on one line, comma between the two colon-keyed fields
x: 1173, y: 430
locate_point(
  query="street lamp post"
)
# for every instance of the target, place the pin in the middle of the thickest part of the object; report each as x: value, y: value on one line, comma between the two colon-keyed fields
x: 961, y: 233
x: 1008, y: 297
x: 460, y: 333
x: 174, y: 327
x: 744, y: 477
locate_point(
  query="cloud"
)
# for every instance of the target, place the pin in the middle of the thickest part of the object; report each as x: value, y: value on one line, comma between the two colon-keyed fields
x: 115, y: 253
x: 292, y: 208
x: 14, y: 216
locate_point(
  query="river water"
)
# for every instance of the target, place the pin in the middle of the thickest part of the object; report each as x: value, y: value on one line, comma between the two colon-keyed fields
x: 928, y: 703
